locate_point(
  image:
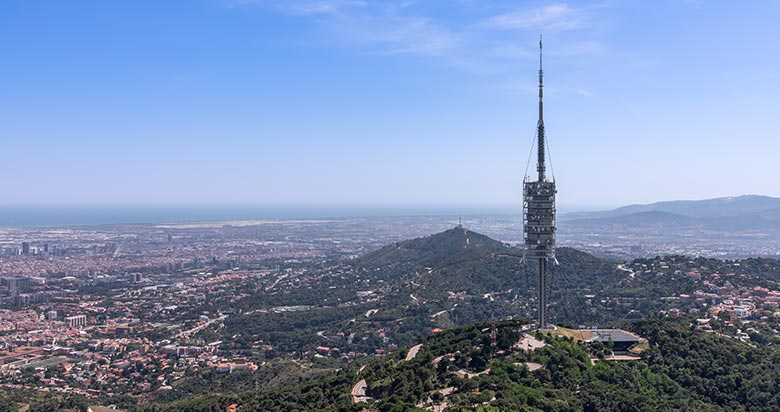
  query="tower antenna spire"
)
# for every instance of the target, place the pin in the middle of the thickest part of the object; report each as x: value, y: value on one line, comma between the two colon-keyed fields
x: 540, y: 123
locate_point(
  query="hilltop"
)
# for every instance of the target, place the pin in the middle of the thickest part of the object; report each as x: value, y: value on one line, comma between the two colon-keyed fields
x: 461, y: 260
x: 438, y: 250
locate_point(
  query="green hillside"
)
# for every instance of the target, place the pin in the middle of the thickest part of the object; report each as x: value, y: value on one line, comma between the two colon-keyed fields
x: 462, y: 260
x: 451, y: 278
x: 438, y: 250
x: 459, y: 370
x: 458, y: 280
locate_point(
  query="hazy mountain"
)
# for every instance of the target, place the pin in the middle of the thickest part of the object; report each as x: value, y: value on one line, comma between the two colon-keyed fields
x: 771, y: 214
x: 649, y: 218
x: 749, y: 212
x: 719, y: 207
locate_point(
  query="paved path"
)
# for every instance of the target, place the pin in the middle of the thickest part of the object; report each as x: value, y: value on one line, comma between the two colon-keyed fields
x: 438, y: 359
x: 625, y: 269
x: 532, y: 366
x: 618, y: 358
x: 197, y: 329
x: 466, y: 374
x: 413, y: 352
x: 529, y: 343
x: 359, y: 392
x: 441, y: 312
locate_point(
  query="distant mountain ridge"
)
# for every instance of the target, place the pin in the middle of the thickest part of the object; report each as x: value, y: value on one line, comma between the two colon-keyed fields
x: 750, y: 212
x: 718, y: 207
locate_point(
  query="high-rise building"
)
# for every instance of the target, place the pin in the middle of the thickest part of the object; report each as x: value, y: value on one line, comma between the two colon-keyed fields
x: 25, y: 248
x: 539, y: 210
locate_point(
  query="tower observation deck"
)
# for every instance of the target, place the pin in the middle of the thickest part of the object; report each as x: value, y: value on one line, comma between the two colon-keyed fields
x: 539, y: 211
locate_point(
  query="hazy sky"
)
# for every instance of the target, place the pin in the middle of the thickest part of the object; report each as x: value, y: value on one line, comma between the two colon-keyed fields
x: 385, y: 102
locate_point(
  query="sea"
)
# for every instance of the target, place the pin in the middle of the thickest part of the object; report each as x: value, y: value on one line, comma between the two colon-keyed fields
x: 20, y: 216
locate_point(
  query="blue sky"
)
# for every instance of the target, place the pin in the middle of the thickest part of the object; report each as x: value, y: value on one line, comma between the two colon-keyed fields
x: 386, y: 102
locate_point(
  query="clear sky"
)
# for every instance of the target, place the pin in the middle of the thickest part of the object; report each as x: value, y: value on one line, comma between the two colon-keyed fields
x: 385, y: 102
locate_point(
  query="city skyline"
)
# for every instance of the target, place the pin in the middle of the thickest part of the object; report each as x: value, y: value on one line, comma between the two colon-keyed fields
x: 391, y: 103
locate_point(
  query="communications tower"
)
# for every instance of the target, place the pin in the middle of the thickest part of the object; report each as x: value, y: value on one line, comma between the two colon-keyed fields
x: 539, y: 211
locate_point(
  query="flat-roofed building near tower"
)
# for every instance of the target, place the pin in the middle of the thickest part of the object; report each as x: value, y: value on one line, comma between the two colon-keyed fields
x: 621, y: 340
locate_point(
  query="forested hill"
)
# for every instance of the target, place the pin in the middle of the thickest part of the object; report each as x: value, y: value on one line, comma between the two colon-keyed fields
x: 391, y: 296
x: 438, y: 250
x: 460, y: 260
x: 682, y: 369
